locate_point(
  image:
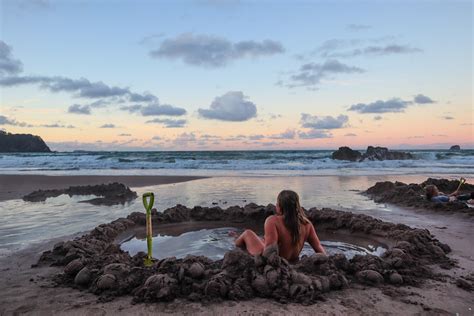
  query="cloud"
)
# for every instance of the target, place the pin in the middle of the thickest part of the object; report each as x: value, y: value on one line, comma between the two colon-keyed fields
x: 80, y: 88
x: 378, y: 51
x: 6, y: 121
x: 323, y: 122
x: 79, y: 109
x: 184, y: 139
x: 165, y: 109
x: 169, y: 123
x: 156, y: 138
x: 350, y: 135
x: 131, y: 108
x: 447, y: 117
x: 213, y: 51
x: 8, y: 65
x: 232, y: 106
x: 124, y: 135
x: 422, y: 99
x: 377, y: 118
x: 313, y: 134
x: 311, y: 74
x: 288, y: 134
x: 57, y: 125
x: 146, y: 97
x: 271, y: 143
x: 344, y: 48
x: 108, y: 126
x: 358, y: 27
x: 256, y: 137
x: 393, y: 105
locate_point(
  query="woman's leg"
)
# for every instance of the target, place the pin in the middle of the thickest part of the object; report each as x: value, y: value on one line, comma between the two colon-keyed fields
x: 251, y: 241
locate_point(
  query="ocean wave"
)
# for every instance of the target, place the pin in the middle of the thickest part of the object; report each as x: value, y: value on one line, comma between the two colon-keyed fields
x: 314, y: 161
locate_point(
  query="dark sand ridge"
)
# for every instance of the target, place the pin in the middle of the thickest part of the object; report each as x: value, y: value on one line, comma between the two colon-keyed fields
x: 16, y: 186
x: 95, y: 262
x: 30, y: 291
x: 413, y: 195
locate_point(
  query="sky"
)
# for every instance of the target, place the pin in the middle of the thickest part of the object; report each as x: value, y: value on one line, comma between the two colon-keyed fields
x: 224, y: 75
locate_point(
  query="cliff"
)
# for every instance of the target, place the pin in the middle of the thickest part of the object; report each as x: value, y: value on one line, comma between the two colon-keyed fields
x: 10, y: 143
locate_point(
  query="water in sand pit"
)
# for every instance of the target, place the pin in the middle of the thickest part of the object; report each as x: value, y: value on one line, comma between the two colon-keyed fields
x: 214, y: 243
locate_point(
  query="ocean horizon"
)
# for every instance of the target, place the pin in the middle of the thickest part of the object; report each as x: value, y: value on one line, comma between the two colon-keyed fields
x: 228, y: 163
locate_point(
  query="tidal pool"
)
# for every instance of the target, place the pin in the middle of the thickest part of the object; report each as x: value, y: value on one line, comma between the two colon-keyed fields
x: 215, y: 242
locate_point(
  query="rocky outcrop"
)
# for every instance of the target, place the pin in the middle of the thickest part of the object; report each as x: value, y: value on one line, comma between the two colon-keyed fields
x: 96, y: 263
x: 12, y: 143
x: 413, y: 195
x: 110, y: 194
x: 382, y: 153
x: 455, y: 148
x: 372, y: 153
x: 346, y: 153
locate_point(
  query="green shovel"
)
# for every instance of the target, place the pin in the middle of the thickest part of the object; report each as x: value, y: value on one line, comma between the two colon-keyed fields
x: 148, y: 200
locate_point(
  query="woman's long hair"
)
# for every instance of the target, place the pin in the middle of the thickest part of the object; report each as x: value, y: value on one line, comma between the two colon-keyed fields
x: 293, y: 215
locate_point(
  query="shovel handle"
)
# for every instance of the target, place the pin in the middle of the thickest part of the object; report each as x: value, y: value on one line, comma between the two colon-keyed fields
x: 461, y: 182
x: 148, y: 200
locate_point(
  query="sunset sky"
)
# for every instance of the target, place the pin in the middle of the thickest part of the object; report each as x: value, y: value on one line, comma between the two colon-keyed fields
x: 182, y: 75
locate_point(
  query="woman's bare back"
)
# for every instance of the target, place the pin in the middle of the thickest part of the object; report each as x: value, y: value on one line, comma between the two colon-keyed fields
x: 277, y: 232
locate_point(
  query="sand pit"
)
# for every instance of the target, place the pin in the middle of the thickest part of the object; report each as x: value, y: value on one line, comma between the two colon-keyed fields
x: 212, y: 239
x: 413, y: 195
x: 95, y: 262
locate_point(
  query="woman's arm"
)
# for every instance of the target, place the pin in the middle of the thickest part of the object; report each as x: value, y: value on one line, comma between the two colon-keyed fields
x: 313, y: 240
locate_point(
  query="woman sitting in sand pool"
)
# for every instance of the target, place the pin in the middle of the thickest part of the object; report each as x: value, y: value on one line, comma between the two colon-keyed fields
x: 289, y: 228
x: 434, y: 195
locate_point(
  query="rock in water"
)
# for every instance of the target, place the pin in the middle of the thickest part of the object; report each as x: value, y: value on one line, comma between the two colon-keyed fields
x: 455, y: 148
x: 372, y: 153
x: 382, y: 153
x: 22, y: 143
x: 345, y: 153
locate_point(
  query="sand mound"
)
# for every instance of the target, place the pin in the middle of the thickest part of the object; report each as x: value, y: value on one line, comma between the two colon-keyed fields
x: 413, y: 195
x: 96, y: 263
x: 110, y: 194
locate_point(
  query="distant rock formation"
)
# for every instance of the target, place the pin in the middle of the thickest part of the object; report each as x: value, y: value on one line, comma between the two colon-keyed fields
x: 345, y: 153
x: 455, y: 148
x: 382, y: 153
x: 372, y: 153
x: 11, y: 143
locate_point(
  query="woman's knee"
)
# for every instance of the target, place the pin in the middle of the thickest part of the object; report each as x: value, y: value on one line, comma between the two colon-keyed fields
x: 248, y: 232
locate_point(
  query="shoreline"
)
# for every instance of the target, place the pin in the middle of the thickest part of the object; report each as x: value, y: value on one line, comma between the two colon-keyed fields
x: 15, y: 186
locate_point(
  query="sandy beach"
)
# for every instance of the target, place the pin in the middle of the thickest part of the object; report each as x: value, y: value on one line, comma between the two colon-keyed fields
x: 32, y: 291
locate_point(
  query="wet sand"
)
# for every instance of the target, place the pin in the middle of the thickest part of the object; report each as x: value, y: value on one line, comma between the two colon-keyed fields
x: 16, y: 186
x: 30, y: 291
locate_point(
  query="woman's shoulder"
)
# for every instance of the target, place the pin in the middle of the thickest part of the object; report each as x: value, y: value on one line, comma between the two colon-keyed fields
x: 272, y: 218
